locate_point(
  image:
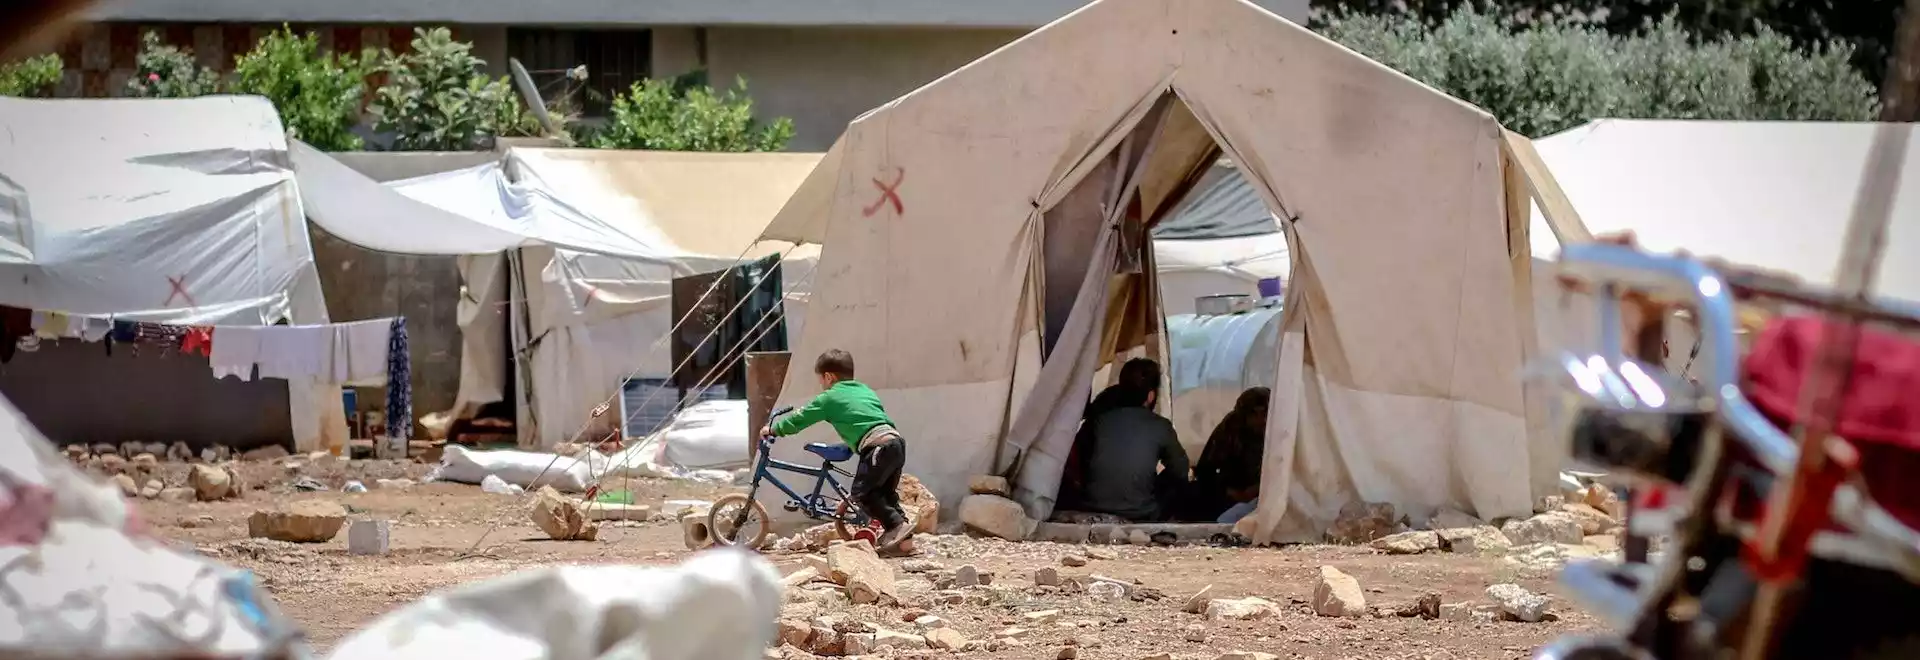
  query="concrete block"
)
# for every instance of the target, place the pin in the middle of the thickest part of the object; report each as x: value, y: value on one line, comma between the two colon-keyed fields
x: 599, y: 511
x: 1062, y: 532
x: 368, y: 537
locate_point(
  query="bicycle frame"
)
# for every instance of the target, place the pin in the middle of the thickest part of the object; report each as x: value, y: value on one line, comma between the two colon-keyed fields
x: 812, y: 503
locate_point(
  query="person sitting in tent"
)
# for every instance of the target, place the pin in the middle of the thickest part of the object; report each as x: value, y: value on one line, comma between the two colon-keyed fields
x: 1228, y: 472
x: 1130, y: 444
x: 1137, y: 374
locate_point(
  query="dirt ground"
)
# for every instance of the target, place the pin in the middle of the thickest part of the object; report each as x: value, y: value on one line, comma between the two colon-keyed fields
x: 445, y: 535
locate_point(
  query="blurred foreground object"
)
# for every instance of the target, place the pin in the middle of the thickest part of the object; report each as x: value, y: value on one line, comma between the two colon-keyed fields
x: 719, y: 605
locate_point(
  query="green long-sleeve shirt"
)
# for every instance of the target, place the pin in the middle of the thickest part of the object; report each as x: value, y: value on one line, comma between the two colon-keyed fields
x: 850, y: 407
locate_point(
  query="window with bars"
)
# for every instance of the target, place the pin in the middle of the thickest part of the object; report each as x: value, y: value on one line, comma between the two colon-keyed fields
x: 615, y: 60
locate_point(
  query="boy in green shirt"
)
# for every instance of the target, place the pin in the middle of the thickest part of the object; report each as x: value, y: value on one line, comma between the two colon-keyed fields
x: 855, y: 413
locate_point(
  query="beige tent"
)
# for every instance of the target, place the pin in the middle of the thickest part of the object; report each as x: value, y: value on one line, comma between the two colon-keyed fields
x: 985, y: 255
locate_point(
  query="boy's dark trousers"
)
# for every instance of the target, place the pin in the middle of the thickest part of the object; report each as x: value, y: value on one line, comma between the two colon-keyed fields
x: 876, y: 483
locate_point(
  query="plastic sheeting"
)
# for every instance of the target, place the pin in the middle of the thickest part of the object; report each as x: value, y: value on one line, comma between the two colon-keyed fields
x: 707, y: 435
x: 179, y: 211
x: 718, y: 605
x: 1396, y: 370
x: 1192, y: 268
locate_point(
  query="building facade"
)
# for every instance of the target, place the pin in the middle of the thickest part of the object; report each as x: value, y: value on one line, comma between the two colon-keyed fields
x: 820, y: 62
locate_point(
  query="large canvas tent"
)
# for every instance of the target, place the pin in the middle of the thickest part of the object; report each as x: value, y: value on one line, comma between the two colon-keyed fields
x: 986, y: 220
x: 171, y: 211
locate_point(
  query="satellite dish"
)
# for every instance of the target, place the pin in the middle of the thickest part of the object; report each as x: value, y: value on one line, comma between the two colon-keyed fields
x: 530, y: 94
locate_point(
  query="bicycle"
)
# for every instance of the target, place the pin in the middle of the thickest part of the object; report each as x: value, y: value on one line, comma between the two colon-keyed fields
x: 730, y: 515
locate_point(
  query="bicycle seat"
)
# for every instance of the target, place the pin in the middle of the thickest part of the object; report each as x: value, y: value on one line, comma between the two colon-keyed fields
x: 833, y: 452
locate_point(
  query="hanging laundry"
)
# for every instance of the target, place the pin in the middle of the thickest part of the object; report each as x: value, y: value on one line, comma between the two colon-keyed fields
x: 296, y: 352
x: 399, y: 383
x: 125, y: 334
x: 235, y: 351
x: 49, y: 325
x: 360, y: 351
x: 92, y: 328
x: 14, y: 324
x: 198, y: 340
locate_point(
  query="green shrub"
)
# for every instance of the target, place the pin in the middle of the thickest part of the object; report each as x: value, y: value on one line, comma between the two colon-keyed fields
x: 34, y: 76
x: 436, y: 98
x: 163, y: 71
x: 682, y: 115
x: 318, y: 94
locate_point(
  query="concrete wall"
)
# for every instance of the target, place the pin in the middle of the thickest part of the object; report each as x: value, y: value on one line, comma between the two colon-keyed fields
x: 362, y: 284
x: 74, y: 392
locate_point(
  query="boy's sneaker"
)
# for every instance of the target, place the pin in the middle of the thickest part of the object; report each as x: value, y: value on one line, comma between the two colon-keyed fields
x: 891, y: 538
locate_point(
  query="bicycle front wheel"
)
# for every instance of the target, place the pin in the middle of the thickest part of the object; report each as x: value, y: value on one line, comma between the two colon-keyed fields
x: 738, y: 520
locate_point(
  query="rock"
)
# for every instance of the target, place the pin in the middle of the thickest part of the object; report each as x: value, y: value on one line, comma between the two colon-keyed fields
x: 302, y: 521
x: 1244, y: 609
x: 803, y: 576
x: 353, y: 486
x: 1362, y: 522
x: 1102, y: 554
x: 1196, y: 633
x: 1106, y: 591
x: 560, y: 517
x: 1451, y: 518
x: 210, y: 483
x: 1012, y: 633
x: 1041, y: 616
x: 1483, y: 539
x: 1139, y: 537
x: 1073, y: 560
x: 127, y: 487
x: 929, y: 621
x: 1246, y: 655
x: 986, y: 484
x: 113, y: 463
x: 144, y: 462
x: 966, y: 576
x: 1197, y: 603
x: 856, y: 567
x: 267, y: 453
x: 920, y: 566
x: 77, y: 453
x: 1425, y: 607
x: 996, y: 516
x: 1047, y: 576
x: 920, y: 505
x: 369, y: 537
x: 1408, y: 543
x: 1456, y: 611
x: 1550, y: 527
x: 1157, y: 656
x: 312, y: 485
x: 794, y: 632
x: 946, y: 638
x: 1549, y: 503
x: 1593, y: 522
x: 1604, y: 499
x: 178, y: 452
x: 1517, y: 603
x: 152, y: 489
x: 825, y: 641
x: 393, y: 484
x: 898, y: 640
x: 158, y: 449
x: 1338, y: 594
x: 176, y: 495
x: 858, y: 643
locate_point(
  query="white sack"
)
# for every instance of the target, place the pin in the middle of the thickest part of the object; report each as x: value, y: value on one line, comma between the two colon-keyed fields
x: 525, y: 469
x: 718, y: 605
x: 707, y: 435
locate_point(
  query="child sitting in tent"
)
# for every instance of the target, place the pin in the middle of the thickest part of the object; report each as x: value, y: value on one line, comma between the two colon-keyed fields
x: 855, y: 413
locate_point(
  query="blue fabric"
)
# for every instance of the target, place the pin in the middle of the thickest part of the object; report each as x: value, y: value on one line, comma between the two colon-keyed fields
x: 1236, y: 512
x: 399, y: 383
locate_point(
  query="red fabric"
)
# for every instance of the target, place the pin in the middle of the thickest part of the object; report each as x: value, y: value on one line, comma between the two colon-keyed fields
x: 198, y: 340
x: 1881, y: 412
x: 25, y: 514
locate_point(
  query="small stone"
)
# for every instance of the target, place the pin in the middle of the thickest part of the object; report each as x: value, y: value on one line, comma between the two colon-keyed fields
x: 1106, y: 591
x: 990, y: 485
x: 1197, y: 603
x: 1047, y: 576
x: 802, y: 576
x: 1066, y: 653
x: 867, y: 579
x: 1338, y: 594
x: 1139, y: 537
x: 1456, y: 611
x: 1482, y: 539
x: 859, y: 643
x: 152, y: 489
x: 1518, y: 603
x: 1362, y: 522
x: 1084, y: 641
x: 1244, y: 609
x: 145, y: 462
x: 1550, y: 527
x: 1408, y: 543
x: 1196, y: 633
x: 1549, y: 503
x: 1041, y: 616
x: 996, y: 516
x: 1427, y: 606
x: 930, y: 621
x: 302, y: 521
x: 946, y: 638
x: 113, y: 463
x: 393, y: 484
x: 1011, y: 633
x: 899, y: 640
x: 369, y: 537
x: 179, y: 452
x: 1102, y: 554
x: 1073, y: 560
x: 825, y: 641
x: 209, y: 482
x: 127, y: 487
x: 176, y: 495
x: 920, y: 566
x: 966, y: 576
x: 560, y: 517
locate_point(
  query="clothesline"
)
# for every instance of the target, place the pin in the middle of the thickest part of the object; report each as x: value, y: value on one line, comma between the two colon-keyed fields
x: 373, y: 352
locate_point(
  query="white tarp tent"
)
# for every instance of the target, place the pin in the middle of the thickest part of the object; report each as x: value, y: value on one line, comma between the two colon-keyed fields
x: 580, y: 247
x: 1399, y: 363
x: 173, y: 211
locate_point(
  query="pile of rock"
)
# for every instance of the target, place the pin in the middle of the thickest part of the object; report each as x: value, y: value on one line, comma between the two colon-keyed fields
x: 94, y: 456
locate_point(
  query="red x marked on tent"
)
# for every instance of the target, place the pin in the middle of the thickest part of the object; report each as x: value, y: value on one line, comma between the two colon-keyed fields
x: 889, y: 193
x: 179, y: 290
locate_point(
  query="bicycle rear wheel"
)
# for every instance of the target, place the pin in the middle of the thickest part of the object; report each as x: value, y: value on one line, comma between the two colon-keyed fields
x: 738, y: 520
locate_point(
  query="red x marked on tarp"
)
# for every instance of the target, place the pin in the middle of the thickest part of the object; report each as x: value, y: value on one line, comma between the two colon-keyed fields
x: 179, y: 285
x: 889, y: 193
